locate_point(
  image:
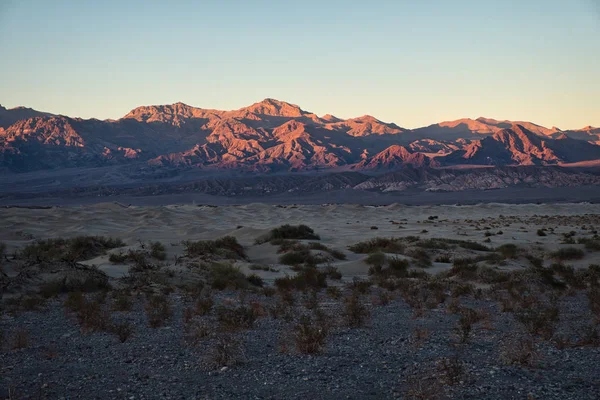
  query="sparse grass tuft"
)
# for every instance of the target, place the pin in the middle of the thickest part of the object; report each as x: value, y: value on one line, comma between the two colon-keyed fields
x: 74, y: 249
x: 567, y: 253
x: 158, y: 310
x: 289, y: 232
x: 226, y: 247
x: 309, y: 335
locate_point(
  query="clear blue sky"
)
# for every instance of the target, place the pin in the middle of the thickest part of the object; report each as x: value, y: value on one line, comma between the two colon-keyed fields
x: 410, y: 62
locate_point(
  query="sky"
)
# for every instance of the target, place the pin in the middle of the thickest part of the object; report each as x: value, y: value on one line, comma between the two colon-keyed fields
x: 410, y: 62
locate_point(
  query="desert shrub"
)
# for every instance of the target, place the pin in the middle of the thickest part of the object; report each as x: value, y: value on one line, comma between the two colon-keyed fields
x: 395, y: 266
x: 31, y: 302
x: 508, y: 250
x: 568, y: 253
x: 590, y: 244
x: 519, y: 350
x: 420, y: 256
x: 75, y: 249
x: 74, y: 301
x: 541, y: 232
x: 360, y: 286
x: 337, y: 254
x: 539, y: 318
x: 465, y: 271
x: 589, y: 336
x: 226, y: 351
x: 289, y: 232
x: 317, y: 246
x: 593, y: 295
x: 451, y: 370
x: 123, y: 330
x: 376, y: 259
x: 355, y: 313
x: 227, y: 247
x: 121, y: 301
x: 332, y: 272
x: 92, y: 317
x: 223, y: 276
x: 255, y: 280
x: 444, y: 244
x: 308, y: 277
x: 309, y: 336
x: 117, y: 258
x: 443, y: 259
x: 204, y: 304
x: 158, y: 310
x: 93, y: 283
x: 303, y: 256
x: 259, y: 267
x: 241, y: 317
x: 2, y: 250
x: 468, y: 317
x: 334, y: 292
x: 20, y: 339
x: 424, y: 386
x: 385, y: 245
x: 535, y: 261
x: 158, y: 251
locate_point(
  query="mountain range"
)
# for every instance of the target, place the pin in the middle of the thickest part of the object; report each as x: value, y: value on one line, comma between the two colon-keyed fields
x: 275, y: 136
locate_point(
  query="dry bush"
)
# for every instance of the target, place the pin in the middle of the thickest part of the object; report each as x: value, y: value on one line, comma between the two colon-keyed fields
x: 204, y: 304
x: 287, y: 231
x: 519, y: 350
x: 232, y: 319
x: 74, y: 301
x: 223, y: 276
x: 420, y: 335
x: 334, y: 292
x: 226, y: 247
x: 308, y: 277
x: 123, y: 330
x: 539, y: 318
x: 158, y: 310
x: 382, y: 298
x: 385, y: 245
x: 92, y: 317
x: 508, y: 250
x: 355, y: 313
x: 593, y: 295
x: 468, y: 318
x: 121, y: 301
x: 158, y: 251
x: 311, y: 300
x: 589, y: 336
x: 74, y: 249
x: 226, y: 351
x: 196, y: 332
x: 360, y: 286
x: 453, y: 306
x: 568, y: 253
x: 422, y: 387
x: 20, y: 339
x: 282, y: 310
x: 310, y: 336
x: 451, y: 370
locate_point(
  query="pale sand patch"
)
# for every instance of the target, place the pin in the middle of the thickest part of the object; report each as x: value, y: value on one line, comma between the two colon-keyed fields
x: 338, y: 225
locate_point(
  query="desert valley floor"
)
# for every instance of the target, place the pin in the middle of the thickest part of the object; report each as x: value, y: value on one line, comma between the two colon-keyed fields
x: 481, y: 301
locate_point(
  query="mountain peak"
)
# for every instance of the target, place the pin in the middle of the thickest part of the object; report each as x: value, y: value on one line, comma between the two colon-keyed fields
x: 275, y: 108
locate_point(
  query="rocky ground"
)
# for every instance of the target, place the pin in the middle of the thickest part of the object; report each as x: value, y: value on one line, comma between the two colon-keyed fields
x: 497, y: 312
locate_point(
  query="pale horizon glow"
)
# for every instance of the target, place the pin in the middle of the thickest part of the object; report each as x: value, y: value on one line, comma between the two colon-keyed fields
x: 411, y: 63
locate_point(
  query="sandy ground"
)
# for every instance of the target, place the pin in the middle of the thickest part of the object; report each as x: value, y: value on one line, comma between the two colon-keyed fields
x: 338, y: 225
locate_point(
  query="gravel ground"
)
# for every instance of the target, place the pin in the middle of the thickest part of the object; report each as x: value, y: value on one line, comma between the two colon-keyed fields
x: 380, y: 360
